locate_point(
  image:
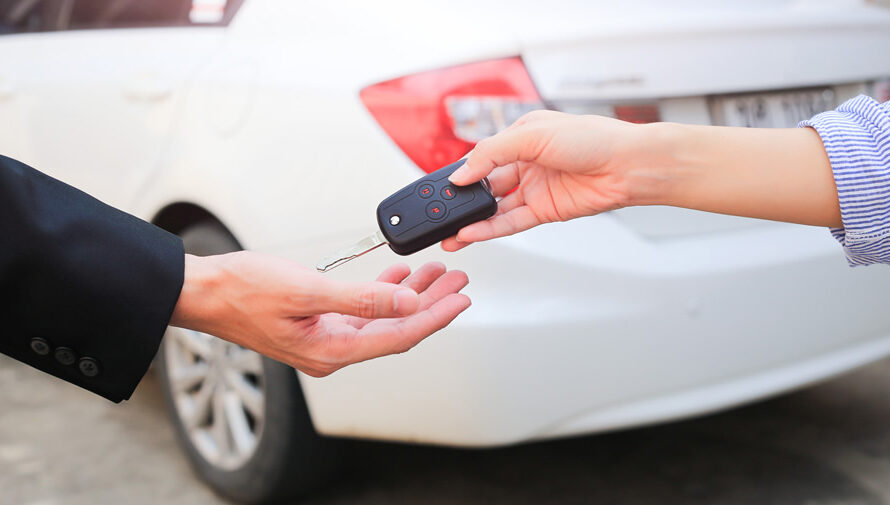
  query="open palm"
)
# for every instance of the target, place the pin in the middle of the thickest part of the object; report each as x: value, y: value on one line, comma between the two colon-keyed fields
x: 336, y: 339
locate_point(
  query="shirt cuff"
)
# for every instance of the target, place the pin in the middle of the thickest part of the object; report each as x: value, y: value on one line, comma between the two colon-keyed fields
x: 856, y: 137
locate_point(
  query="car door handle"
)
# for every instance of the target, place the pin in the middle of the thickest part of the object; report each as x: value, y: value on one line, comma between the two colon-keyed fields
x: 7, y: 87
x: 148, y: 88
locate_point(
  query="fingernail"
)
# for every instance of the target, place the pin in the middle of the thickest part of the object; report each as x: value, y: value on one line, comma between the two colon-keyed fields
x: 457, y: 175
x: 402, y: 299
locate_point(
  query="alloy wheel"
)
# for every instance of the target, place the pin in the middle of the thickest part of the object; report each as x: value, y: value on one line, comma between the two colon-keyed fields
x: 218, y: 392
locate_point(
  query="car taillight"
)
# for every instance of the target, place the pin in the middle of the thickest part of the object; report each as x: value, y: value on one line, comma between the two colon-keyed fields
x: 435, y: 117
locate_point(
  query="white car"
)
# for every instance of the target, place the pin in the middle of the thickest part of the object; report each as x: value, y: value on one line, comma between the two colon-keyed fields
x: 278, y: 125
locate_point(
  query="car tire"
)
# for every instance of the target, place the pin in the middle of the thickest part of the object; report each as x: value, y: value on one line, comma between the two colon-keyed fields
x: 288, y: 459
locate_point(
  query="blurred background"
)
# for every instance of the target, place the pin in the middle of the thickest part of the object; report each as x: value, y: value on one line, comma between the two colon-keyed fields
x: 647, y: 355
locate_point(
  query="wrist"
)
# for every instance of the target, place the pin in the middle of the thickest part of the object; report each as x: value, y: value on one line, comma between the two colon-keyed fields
x: 653, y: 162
x: 195, y: 307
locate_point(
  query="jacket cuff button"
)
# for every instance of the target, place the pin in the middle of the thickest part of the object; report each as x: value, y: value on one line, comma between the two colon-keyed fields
x: 40, y: 346
x: 65, y: 356
x: 88, y: 367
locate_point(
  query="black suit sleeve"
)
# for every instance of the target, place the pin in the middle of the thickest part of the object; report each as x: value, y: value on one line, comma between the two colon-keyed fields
x: 86, y: 291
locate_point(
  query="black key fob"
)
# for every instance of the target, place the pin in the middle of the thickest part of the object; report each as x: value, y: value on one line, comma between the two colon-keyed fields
x: 432, y: 209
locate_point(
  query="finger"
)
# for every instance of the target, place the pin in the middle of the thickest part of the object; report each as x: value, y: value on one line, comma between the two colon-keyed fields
x: 516, y: 144
x: 449, y: 283
x: 510, y: 202
x: 507, y: 204
x: 457, y: 242
x: 452, y: 244
x: 426, y: 275
x: 395, y: 274
x: 503, y: 179
x: 502, y: 225
x: 367, y: 299
x: 380, y: 340
x: 418, y: 281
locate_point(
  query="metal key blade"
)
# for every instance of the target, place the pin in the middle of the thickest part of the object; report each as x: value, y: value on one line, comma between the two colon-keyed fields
x: 363, y: 246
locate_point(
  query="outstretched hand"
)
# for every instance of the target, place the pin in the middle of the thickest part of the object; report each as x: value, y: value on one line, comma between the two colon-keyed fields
x: 562, y: 166
x: 311, y: 322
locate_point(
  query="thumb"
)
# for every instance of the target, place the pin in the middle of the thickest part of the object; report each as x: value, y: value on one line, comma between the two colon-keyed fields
x: 371, y: 299
x: 508, y: 146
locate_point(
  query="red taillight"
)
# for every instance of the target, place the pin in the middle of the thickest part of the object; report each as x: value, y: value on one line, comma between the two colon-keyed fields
x: 435, y: 117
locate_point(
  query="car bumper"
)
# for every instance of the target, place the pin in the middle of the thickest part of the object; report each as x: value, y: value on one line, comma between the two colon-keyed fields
x: 586, y: 326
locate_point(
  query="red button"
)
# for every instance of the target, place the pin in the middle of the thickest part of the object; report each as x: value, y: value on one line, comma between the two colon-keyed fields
x: 435, y: 210
x: 425, y: 190
x: 447, y: 193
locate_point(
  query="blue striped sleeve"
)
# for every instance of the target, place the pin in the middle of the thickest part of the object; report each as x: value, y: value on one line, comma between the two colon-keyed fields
x: 857, y: 139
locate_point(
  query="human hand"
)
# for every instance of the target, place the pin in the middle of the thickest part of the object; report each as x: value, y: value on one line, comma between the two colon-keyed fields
x: 311, y: 322
x: 565, y: 167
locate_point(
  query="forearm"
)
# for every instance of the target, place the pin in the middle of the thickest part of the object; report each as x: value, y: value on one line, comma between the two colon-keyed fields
x: 86, y: 289
x: 777, y: 174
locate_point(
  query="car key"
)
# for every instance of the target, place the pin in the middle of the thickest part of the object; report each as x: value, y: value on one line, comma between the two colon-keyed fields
x: 422, y: 213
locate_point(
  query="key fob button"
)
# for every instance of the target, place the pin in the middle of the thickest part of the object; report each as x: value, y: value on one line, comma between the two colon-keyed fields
x: 425, y: 191
x: 435, y: 210
x: 447, y: 193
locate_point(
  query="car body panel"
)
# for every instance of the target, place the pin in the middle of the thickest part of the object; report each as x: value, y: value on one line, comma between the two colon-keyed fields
x: 600, y: 323
x: 564, y: 330
x: 103, y: 102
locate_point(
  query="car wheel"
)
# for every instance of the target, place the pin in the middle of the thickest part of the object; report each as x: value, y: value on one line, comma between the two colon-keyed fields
x: 240, y: 417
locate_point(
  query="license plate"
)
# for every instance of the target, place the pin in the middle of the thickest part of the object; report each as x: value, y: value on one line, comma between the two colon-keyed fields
x: 771, y: 110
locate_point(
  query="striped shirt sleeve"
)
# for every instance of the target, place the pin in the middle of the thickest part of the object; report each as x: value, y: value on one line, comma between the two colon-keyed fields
x: 856, y: 137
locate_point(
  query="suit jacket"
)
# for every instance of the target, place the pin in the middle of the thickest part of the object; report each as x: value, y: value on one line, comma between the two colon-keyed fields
x: 86, y: 291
